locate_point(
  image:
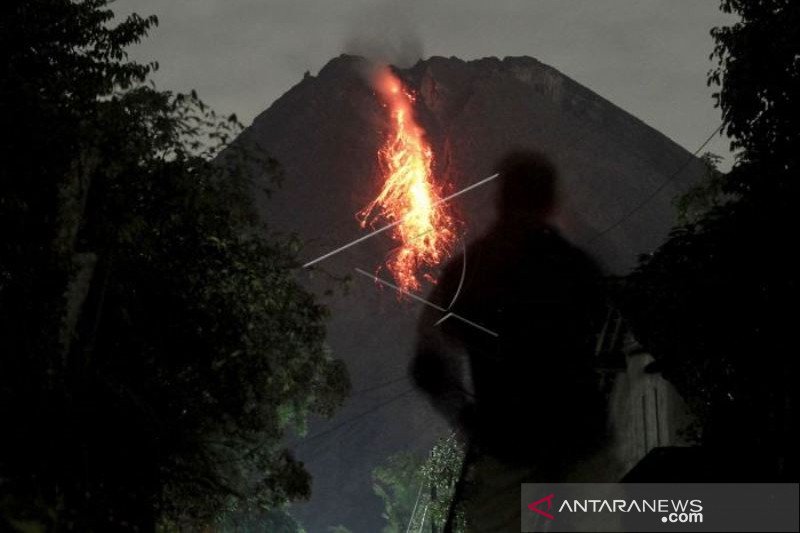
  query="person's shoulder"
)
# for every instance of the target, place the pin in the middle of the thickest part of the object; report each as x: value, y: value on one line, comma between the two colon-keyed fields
x: 569, y: 251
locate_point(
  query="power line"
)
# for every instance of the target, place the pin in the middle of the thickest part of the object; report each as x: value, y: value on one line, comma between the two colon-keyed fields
x: 607, y: 230
x: 398, y: 379
x: 658, y: 189
x: 354, y: 418
x: 357, y: 393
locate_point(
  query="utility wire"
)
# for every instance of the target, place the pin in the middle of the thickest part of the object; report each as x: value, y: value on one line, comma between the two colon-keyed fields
x: 398, y: 379
x: 354, y: 418
x: 599, y: 235
x: 658, y: 189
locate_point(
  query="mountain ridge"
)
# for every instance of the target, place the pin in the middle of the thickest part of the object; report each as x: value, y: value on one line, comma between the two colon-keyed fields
x: 326, y: 132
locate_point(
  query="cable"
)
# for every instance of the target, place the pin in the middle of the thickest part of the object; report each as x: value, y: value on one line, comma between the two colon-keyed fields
x: 658, y: 189
x: 359, y: 392
x: 353, y: 418
x: 607, y: 230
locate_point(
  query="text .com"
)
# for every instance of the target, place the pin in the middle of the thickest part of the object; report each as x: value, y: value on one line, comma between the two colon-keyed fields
x: 683, y: 518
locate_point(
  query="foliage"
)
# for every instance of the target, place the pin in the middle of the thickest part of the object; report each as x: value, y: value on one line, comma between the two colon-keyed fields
x: 155, y: 345
x: 714, y: 304
x: 399, y: 483
x: 416, y: 491
x: 276, y: 520
x: 758, y: 77
x: 442, y: 471
x: 705, y: 195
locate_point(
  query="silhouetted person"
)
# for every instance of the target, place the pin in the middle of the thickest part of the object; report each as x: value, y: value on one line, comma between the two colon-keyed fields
x: 527, y: 400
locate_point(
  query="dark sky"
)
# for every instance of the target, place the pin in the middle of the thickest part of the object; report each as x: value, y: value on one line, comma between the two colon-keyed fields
x: 649, y: 57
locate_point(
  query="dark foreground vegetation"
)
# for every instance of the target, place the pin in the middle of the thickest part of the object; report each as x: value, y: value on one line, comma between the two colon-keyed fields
x: 155, y: 346
x: 716, y: 303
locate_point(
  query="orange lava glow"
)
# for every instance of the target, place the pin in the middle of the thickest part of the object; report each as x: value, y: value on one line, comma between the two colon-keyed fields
x: 426, y: 234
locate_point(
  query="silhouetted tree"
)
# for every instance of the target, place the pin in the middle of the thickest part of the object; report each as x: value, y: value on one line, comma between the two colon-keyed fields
x: 758, y: 76
x: 716, y: 304
x: 154, y: 346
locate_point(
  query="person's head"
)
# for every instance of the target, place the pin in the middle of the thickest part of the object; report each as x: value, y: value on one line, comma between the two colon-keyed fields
x: 528, y: 186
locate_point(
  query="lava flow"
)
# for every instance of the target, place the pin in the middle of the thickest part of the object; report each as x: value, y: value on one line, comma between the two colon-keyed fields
x: 409, y: 194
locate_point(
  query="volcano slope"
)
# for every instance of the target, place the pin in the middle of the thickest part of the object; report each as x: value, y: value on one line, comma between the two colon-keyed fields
x: 619, y: 177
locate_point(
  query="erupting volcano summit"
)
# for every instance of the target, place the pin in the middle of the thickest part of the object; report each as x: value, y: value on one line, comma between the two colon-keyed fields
x: 350, y: 146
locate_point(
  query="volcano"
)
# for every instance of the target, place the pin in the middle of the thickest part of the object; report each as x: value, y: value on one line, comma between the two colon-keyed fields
x: 619, y: 177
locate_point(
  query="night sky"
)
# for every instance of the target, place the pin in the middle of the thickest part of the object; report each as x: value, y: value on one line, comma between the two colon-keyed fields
x: 648, y: 57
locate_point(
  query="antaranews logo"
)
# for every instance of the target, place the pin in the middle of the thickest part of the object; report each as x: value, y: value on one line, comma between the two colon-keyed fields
x: 672, y: 511
x: 659, y: 507
x: 535, y: 506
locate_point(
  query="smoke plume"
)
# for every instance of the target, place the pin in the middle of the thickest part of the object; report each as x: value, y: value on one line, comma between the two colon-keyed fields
x: 385, y: 33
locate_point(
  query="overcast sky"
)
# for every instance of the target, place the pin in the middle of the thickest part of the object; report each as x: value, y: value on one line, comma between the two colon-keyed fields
x: 649, y: 57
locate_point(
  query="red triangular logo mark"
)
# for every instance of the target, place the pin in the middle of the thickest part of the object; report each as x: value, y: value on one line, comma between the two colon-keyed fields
x: 535, y: 506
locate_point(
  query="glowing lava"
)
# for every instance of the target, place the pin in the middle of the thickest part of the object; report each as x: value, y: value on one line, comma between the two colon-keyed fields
x: 409, y: 193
